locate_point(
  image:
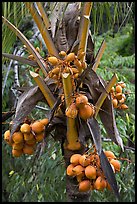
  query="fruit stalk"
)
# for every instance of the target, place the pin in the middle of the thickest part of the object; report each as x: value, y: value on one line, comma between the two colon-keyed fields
x: 43, y: 30
x: 105, y: 94
x: 83, y: 33
x: 72, y: 135
x: 44, y: 88
x: 43, y: 14
x: 99, y: 55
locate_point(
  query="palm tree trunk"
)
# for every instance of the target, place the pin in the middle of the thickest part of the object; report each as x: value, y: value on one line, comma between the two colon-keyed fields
x: 72, y: 191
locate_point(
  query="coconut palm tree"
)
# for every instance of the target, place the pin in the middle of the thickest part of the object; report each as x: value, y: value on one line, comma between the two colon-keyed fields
x: 68, y: 70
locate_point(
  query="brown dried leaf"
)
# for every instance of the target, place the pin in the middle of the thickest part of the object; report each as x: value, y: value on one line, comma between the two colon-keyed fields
x: 71, y: 22
x: 108, y: 172
x: 108, y: 119
x: 58, y: 124
x: 25, y: 105
x: 60, y: 39
x: 95, y: 133
x: 83, y: 131
x: 21, y: 59
x: 96, y: 86
x: 67, y: 27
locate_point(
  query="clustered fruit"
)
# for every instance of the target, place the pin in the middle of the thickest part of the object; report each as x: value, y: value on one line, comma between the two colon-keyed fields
x: 86, y: 168
x: 31, y: 57
x: 72, y: 64
x: 68, y: 63
x: 80, y: 106
x: 26, y: 137
x: 118, y: 96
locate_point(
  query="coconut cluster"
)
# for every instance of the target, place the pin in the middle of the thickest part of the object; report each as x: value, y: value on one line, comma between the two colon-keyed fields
x: 26, y: 137
x: 68, y: 63
x: 86, y: 168
x: 118, y: 96
x: 30, y: 56
x: 80, y: 106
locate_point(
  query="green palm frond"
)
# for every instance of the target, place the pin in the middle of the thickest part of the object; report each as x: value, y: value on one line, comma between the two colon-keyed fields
x: 106, y: 15
x: 15, y: 12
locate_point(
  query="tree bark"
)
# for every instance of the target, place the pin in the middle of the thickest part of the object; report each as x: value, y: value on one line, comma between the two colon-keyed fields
x: 72, y: 191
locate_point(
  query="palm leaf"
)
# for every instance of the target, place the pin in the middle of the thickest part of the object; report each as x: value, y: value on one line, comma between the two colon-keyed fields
x: 43, y: 14
x: 107, y: 15
x: 95, y: 132
x: 44, y: 88
x: 16, y: 12
x: 29, y: 46
x: 108, y: 172
x: 26, y: 102
x: 103, y: 96
x: 64, y: 26
x: 21, y: 59
x: 107, y: 169
x: 43, y: 30
x: 99, y: 55
x: 83, y: 33
x: 57, y: 13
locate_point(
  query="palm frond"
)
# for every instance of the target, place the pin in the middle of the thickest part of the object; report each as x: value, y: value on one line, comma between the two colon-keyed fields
x: 43, y: 30
x: 21, y: 59
x: 44, y: 88
x: 108, y: 15
x: 29, y: 46
x: 103, y: 13
x: 83, y: 33
x: 105, y: 94
x: 99, y: 55
x: 43, y: 14
x: 15, y: 12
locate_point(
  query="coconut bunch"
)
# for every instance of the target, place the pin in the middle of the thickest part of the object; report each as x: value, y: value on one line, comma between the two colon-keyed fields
x: 30, y: 56
x: 86, y: 168
x: 25, y: 139
x: 80, y: 106
x: 118, y: 96
x: 67, y: 63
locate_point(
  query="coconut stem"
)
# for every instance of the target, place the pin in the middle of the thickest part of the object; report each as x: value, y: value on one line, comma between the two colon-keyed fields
x: 105, y: 94
x: 72, y: 135
x: 99, y: 55
x: 43, y: 14
x: 43, y: 30
x: 44, y: 88
x: 83, y: 33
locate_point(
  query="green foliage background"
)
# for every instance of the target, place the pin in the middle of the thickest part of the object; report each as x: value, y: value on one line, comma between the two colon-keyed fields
x: 42, y: 178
